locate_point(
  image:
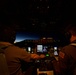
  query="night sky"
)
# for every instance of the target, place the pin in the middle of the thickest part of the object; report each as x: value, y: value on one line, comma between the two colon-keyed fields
x: 21, y: 36
x: 42, y: 18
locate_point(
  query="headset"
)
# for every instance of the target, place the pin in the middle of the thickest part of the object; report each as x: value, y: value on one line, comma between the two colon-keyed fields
x: 67, y: 31
x: 68, y: 35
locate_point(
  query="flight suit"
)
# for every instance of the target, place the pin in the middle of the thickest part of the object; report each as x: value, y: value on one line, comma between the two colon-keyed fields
x: 66, y: 64
x: 14, y: 55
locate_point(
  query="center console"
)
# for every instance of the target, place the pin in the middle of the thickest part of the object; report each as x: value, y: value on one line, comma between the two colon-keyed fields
x: 44, y: 66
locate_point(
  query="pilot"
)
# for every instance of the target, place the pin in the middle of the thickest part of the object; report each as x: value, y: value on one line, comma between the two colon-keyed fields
x: 14, y: 54
x: 66, y: 64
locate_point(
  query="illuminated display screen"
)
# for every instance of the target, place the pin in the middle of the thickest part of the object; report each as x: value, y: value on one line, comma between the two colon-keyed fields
x: 41, y: 48
x: 29, y: 49
x: 55, y: 51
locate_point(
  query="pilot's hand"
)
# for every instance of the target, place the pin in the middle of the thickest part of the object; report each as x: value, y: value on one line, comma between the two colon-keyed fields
x: 35, y: 56
x: 42, y: 56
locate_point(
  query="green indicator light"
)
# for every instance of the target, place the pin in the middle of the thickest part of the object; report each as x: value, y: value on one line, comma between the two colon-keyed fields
x: 47, y: 54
